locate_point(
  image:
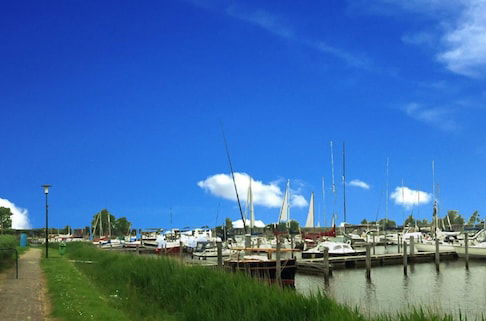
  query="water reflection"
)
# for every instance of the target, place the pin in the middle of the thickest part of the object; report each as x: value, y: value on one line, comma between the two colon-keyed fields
x: 454, y: 290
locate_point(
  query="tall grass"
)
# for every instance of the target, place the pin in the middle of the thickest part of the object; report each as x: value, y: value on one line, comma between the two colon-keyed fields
x: 7, y: 242
x: 150, y: 288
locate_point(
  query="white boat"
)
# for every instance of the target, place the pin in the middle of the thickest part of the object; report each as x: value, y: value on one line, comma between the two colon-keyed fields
x: 211, y: 252
x: 335, y: 249
x: 429, y: 246
x: 475, y: 251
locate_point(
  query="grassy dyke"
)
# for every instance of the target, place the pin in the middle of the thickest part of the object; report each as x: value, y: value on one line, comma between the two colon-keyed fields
x: 148, y: 288
x: 7, y: 257
x: 73, y: 296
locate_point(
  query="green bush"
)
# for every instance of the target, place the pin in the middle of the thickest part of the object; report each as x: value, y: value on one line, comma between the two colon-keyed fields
x: 6, y: 242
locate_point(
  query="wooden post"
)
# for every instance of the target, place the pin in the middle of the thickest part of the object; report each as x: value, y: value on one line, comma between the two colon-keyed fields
x: 437, y: 255
x: 278, y: 269
x: 325, y: 261
x: 412, y: 246
x: 181, y: 248
x: 466, y: 249
x: 405, y: 258
x: 141, y: 237
x: 247, y: 243
x: 259, y: 242
x: 219, y: 247
x: 292, y: 245
x: 368, y: 261
x: 399, y: 242
x: 374, y: 250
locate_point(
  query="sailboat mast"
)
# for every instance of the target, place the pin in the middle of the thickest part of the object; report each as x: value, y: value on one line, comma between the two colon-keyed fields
x: 324, y: 200
x: 234, y: 181
x: 333, y: 185
x: 344, y: 184
x: 387, y: 192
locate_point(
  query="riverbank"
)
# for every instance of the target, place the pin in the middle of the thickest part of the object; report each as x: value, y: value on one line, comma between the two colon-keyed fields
x: 159, y: 288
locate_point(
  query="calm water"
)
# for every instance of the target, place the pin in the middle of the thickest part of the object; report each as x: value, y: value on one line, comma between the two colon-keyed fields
x: 453, y: 290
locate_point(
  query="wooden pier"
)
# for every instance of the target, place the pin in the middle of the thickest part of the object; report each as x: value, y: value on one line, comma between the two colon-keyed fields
x: 316, y: 266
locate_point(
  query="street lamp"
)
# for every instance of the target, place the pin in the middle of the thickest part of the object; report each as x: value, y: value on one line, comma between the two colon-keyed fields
x: 46, y: 191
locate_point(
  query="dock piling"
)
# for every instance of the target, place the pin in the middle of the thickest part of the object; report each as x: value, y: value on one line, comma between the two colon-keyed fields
x: 437, y: 256
x: 368, y: 261
x: 374, y: 249
x: 412, y: 246
x: 405, y: 258
x: 219, y: 247
x: 399, y: 242
x: 181, y: 248
x: 325, y: 262
x: 278, y: 269
x: 466, y: 250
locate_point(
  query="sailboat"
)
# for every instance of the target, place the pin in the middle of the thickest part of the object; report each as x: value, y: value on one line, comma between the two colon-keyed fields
x: 310, y: 215
x: 285, y: 209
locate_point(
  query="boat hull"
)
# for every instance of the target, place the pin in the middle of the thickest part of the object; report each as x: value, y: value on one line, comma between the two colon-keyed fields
x: 474, y: 252
x: 265, y: 270
x: 320, y: 255
x: 426, y: 247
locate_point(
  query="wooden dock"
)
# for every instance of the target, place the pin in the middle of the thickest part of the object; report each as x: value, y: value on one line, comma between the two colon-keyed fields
x: 316, y: 266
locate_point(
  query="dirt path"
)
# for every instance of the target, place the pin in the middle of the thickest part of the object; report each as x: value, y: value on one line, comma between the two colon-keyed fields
x: 24, y: 299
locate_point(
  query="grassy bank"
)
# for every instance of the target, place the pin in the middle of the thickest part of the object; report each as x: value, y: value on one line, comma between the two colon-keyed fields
x: 7, y: 257
x: 73, y: 296
x: 147, y: 288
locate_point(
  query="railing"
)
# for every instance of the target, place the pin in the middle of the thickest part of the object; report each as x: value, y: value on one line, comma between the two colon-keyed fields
x: 16, y: 260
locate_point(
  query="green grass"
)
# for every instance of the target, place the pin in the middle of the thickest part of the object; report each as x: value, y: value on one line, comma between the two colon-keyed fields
x: 7, y: 257
x: 73, y: 296
x: 148, y: 288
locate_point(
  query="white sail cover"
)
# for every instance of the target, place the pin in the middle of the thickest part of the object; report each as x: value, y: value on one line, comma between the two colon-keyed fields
x: 284, y: 210
x: 252, y: 210
x: 310, y: 214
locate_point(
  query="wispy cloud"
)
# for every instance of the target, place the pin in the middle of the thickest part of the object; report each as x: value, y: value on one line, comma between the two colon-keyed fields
x: 265, y: 194
x: 407, y: 197
x: 280, y: 27
x: 359, y: 183
x: 20, y: 216
x: 442, y: 118
x: 458, y: 33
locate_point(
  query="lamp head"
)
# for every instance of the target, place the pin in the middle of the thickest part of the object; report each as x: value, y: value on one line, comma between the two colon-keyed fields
x: 46, y: 188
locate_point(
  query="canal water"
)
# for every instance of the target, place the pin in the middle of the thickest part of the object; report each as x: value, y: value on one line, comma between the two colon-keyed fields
x: 454, y: 290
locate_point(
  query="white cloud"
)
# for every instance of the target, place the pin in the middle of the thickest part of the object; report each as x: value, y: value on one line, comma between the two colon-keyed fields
x: 359, y: 183
x: 407, y: 197
x: 436, y: 116
x: 20, y: 216
x: 458, y: 35
x: 269, y: 195
x: 465, y: 43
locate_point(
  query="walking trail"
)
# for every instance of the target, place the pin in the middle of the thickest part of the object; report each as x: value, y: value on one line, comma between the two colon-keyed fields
x: 24, y: 299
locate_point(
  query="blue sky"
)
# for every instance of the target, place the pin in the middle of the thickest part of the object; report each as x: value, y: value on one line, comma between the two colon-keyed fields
x: 118, y: 105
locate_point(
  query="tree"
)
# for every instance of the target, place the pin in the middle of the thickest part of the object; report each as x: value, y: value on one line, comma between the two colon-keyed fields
x: 410, y: 221
x: 386, y: 223
x: 100, y: 223
x: 423, y: 222
x: 282, y: 227
x: 454, y: 217
x: 66, y: 230
x: 474, y: 219
x: 294, y: 227
x: 364, y: 221
x: 5, y: 218
x: 121, y: 226
x: 229, y: 224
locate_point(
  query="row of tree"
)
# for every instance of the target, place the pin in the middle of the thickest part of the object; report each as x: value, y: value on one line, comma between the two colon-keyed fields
x: 105, y: 223
x: 453, y: 217
x: 5, y: 219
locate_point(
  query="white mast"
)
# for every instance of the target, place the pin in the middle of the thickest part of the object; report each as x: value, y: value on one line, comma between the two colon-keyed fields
x: 333, y: 185
x: 324, y: 200
x: 252, y: 210
x: 310, y: 215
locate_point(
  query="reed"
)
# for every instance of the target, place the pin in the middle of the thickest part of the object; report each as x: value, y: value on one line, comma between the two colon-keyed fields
x: 149, y: 288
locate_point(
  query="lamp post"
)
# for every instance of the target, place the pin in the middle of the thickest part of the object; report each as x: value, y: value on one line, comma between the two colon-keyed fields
x: 46, y: 191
